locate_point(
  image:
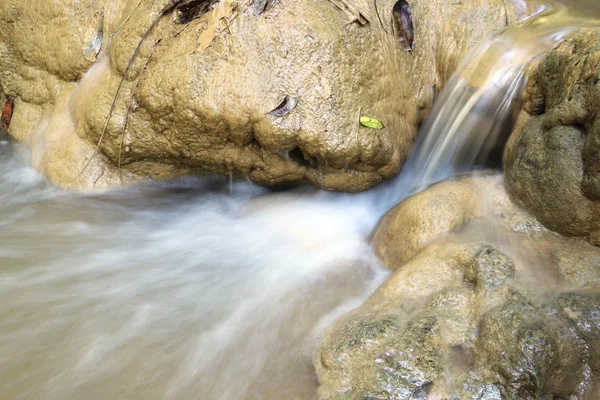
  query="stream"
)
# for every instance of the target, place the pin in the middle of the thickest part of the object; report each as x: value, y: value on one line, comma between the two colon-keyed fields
x: 201, y: 288
x: 170, y: 290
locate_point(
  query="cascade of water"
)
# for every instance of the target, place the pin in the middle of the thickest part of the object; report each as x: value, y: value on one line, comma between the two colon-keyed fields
x: 479, y: 103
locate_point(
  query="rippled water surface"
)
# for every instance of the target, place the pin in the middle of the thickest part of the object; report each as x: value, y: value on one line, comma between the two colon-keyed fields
x: 179, y: 290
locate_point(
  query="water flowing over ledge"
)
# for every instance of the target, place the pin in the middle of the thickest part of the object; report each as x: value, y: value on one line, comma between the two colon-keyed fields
x: 202, y: 288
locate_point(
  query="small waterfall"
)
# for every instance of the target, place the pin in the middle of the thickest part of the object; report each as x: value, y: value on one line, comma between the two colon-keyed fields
x: 479, y: 104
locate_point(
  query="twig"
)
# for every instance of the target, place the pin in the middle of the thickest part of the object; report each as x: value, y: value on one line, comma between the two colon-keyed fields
x: 127, y: 116
x: 379, y: 16
x: 357, y: 124
x: 126, y: 19
x: 171, y: 4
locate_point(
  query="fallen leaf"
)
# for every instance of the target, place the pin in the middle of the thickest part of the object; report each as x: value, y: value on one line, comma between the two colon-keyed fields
x: 93, y: 49
x: 351, y: 10
x: 287, y: 105
x: 7, y: 112
x: 403, y: 24
x: 371, y: 123
x: 216, y: 21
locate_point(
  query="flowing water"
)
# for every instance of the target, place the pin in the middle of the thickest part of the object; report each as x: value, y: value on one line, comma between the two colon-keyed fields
x: 479, y: 102
x: 478, y: 107
x: 205, y: 288
x: 174, y: 290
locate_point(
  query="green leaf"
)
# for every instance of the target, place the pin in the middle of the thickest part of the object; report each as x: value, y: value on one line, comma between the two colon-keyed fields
x: 371, y: 123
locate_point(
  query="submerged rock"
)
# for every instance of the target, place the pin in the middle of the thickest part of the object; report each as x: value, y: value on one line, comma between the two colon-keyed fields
x: 272, y: 90
x: 498, y: 309
x: 552, y: 164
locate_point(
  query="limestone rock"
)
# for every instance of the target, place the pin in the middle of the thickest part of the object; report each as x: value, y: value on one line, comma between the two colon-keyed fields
x: 423, y: 218
x: 552, y: 164
x: 273, y: 93
x: 490, y: 307
x: 408, y: 227
x: 468, y: 321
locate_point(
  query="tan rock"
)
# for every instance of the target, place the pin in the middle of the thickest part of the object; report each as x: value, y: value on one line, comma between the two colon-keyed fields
x: 440, y: 209
x: 485, y: 313
x: 421, y: 219
x: 500, y: 308
x: 552, y: 164
x: 199, y: 96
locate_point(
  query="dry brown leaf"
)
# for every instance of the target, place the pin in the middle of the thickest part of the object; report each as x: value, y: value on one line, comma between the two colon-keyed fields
x: 215, y: 21
x: 351, y: 10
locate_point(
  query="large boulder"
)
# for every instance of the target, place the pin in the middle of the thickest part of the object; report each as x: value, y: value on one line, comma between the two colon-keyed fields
x: 470, y: 322
x: 272, y: 90
x: 497, y: 308
x: 552, y: 162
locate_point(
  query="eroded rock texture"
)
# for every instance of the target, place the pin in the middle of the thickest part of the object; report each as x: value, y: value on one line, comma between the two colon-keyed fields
x: 272, y: 90
x: 491, y: 307
x: 553, y: 163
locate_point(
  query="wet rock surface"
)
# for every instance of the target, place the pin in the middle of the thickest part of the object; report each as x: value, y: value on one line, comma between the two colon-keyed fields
x: 423, y: 218
x: 273, y: 93
x: 552, y: 164
x: 495, y: 307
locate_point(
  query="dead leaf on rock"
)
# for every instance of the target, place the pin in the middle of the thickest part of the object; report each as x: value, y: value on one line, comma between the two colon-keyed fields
x: 287, y: 105
x: 215, y: 21
x: 7, y: 111
x: 351, y: 10
x: 92, y: 50
x: 403, y: 24
x: 258, y: 6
